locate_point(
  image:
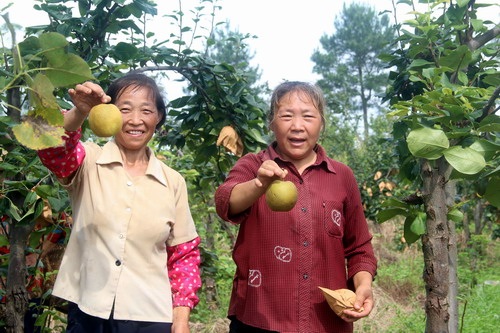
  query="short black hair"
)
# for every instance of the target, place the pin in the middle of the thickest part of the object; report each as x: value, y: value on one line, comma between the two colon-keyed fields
x: 139, y: 80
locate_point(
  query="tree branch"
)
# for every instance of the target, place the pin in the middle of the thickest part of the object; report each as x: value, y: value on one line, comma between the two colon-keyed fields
x: 488, y: 109
x: 475, y: 43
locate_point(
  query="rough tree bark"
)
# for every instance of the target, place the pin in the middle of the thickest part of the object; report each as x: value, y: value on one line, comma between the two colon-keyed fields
x: 435, y: 243
x: 17, y: 298
x: 451, y: 191
x: 16, y: 294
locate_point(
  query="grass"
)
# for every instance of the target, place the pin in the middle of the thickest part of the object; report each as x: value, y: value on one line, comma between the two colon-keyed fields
x: 400, y: 291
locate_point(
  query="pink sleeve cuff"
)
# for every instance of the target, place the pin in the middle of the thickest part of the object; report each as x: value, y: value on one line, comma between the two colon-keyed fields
x: 184, y: 272
x: 66, y: 159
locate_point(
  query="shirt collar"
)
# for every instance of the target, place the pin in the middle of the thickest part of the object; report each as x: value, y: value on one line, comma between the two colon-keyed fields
x: 321, y: 158
x: 111, y: 154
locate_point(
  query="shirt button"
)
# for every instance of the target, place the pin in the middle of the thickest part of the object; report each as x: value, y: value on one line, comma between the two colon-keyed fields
x: 120, y: 236
x: 301, y: 181
x: 118, y: 263
x: 306, y: 243
x: 306, y: 276
x: 129, y: 183
x: 128, y: 209
x: 304, y: 209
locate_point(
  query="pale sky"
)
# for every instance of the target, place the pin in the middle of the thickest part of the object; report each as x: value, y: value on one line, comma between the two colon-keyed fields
x: 288, y: 30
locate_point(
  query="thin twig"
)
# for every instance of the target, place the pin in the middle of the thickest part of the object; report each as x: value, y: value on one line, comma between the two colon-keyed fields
x: 463, y: 316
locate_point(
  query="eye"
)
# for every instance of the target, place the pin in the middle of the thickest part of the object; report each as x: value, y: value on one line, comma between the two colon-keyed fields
x: 310, y: 116
x: 285, y: 116
x: 124, y: 110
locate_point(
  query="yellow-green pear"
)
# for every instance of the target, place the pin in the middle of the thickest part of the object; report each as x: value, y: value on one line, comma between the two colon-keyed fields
x: 105, y: 120
x: 281, y: 196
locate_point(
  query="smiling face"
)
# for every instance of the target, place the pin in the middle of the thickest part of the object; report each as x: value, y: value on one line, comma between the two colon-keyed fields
x: 140, y: 117
x: 297, y: 124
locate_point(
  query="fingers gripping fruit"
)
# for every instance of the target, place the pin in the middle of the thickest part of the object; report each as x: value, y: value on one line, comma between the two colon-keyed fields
x: 105, y: 120
x: 340, y: 300
x: 281, y: 196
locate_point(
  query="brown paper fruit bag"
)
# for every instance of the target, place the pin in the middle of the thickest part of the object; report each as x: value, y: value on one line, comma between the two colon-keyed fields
x: 340, y: 300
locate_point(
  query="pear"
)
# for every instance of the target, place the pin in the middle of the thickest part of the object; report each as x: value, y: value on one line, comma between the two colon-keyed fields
x: 281, y: 196
x: 105, y: 120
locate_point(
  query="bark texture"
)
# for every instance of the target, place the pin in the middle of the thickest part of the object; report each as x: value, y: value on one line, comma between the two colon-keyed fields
x: 435, y: 246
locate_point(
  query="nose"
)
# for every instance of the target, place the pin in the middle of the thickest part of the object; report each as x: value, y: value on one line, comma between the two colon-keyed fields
x: 297, y: 123
x: 135, y: 117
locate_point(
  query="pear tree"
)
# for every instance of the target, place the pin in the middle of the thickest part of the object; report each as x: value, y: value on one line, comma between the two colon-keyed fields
x: 444, y: 99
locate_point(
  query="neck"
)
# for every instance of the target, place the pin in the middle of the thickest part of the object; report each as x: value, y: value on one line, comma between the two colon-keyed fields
x: 301, y: 164
x: 132, y: 158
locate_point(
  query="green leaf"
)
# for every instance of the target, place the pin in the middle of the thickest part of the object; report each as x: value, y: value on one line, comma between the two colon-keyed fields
x: 418, y: 225
x: 393, y: 202
x: 4, y: 241
x: 427, y: 143
x: 455, y: 215
x: 30, y: 198
x: 462, y: 77
x: 125, y: 51
x: 70, y: 70
x: 37, y: 134
x: 13, y: 211
x: 465, y: 160
x: 492, y: 193
x: 490, y: 123
x: 492, y: 80
x: 458, y: 59
x: 53, y: 44
x: 477, y: 24
x: 44, y: 190
x: 409, y: 235
x: 486, y: 148
x: 387, y: 214
x: 420, y: 63
x: 44, y: 102
x: 58, y: 204
x: 462, y: 3
x: 42, y: 92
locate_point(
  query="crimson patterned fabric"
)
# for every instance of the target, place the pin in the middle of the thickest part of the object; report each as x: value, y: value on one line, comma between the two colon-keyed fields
x: 283, y: 257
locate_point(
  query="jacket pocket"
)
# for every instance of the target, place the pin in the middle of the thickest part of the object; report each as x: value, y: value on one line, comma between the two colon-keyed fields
x: 333, y: 218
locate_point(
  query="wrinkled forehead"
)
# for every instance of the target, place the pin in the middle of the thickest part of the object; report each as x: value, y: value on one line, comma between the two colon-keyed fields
x: 301, y: 95
x: 133, y: 88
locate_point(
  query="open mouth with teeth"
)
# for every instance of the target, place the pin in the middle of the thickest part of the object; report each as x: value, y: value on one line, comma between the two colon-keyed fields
x: 135, y: 132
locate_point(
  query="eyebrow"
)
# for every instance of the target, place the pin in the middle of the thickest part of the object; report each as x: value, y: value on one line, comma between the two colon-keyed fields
x: 128, y: 102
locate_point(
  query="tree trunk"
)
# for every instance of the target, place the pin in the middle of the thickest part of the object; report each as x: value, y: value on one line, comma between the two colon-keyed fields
x: 435, y: 244
x: 450, y: 189
x: 17, y: 298
x: 465, y: 224
x: 364, y: 102
x: 209, y: 282
x: 478, y: 213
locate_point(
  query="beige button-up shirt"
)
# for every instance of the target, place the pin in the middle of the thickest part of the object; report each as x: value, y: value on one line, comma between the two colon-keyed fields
x: 122, y: 226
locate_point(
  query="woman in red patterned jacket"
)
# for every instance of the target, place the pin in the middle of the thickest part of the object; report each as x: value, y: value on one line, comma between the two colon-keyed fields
x: 283, y: 257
